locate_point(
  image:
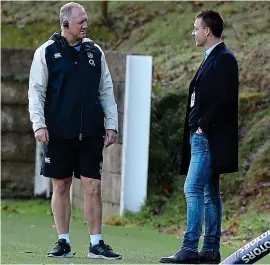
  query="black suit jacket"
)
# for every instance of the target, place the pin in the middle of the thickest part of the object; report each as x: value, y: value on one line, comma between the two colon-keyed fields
x: 216, y: 85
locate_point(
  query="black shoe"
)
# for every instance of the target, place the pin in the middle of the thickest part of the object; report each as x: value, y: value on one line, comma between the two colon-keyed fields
x: 102, y: 251
x: 209, y: 257
x: 183, y: 256
x: 61, y: 250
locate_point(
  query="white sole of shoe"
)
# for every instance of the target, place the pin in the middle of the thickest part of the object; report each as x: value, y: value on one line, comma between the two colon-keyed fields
x: 93, y: 256
x: 68, y: 255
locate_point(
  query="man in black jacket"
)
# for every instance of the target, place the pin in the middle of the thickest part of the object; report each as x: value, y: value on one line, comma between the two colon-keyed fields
x: 70, y: 94
x: 210, y: 141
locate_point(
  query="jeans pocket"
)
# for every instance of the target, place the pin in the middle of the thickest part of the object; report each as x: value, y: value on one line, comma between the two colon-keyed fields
x: 199, y: 143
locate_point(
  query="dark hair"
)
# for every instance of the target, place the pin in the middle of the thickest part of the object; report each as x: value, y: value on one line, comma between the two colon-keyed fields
x: 212, y: 20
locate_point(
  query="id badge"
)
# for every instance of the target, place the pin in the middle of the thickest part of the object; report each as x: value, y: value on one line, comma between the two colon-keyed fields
x: 192, y: 102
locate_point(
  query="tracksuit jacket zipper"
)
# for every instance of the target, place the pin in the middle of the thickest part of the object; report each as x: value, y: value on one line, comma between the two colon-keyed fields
x: 81, y: 125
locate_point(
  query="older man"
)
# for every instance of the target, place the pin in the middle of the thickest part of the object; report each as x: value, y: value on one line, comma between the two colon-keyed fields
x: 70, y: 94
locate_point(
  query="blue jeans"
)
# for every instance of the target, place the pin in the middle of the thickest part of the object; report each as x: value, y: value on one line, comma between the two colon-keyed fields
x: 203, y: 198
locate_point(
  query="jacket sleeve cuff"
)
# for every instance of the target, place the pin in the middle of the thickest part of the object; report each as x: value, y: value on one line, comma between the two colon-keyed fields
x: 111, y: 118
x: 111, y: 125
x: 37, y: 126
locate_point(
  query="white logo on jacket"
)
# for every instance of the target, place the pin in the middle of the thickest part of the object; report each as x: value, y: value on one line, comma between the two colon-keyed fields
x: 57, y: 55
x: 91, y: 61
x: 90, y: 55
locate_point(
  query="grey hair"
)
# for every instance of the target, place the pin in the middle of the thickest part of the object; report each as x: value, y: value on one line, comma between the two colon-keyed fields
x: 66, y: 11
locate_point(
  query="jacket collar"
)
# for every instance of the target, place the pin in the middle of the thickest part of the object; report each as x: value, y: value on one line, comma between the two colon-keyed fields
x: 86, y: 44
x: 208, y: 60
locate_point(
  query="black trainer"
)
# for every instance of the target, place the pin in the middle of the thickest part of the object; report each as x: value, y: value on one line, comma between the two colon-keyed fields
x: 61, y: 250
x: 102, y: 251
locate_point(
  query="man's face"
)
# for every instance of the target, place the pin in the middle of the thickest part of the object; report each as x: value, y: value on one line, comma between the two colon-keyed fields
x: 200, y: 32
x: 78, y: 23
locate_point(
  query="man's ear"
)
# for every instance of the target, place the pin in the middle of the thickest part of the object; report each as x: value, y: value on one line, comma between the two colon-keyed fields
x: 207, y: 31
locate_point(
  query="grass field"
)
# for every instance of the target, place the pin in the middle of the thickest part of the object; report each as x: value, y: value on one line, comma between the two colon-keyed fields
x: 28, y: 233
x: 162, y: 29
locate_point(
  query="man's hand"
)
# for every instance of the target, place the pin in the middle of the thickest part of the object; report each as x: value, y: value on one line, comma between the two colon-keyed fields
x: 199, y: 131
x: 110, y: 138
x: 42, y: 135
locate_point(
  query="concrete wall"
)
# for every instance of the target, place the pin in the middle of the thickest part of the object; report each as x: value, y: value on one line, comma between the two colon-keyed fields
x: 112, y: 156
x: 18, y: 143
